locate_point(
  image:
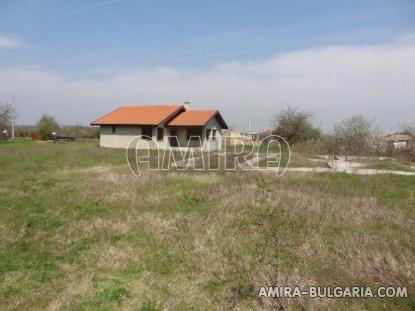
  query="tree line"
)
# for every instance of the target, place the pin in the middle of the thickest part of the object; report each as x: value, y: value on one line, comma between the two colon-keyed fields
x: 356, y: 135
x: 45, y: 127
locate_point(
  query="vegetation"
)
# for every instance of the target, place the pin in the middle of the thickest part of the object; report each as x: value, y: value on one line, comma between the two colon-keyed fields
x: 80, y: 232
x: 76, y: 131
x: 295, y: 125
x: 410, y: 130
x: 355, y: 136
x: 7, y: 113
x: 46, y: 126
x: 389, y: 165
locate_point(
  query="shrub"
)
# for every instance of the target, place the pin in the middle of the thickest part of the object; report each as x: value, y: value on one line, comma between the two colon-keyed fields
x: 46, y: 126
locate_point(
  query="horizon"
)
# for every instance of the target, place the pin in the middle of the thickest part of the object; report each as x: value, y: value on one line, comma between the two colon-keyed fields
x: 77, y: 61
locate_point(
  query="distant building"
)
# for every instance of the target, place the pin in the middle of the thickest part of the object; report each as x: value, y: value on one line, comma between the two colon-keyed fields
x: 4, y: 135
x: 233, y: 137
x: 255, y: 136
x: 398, y: 141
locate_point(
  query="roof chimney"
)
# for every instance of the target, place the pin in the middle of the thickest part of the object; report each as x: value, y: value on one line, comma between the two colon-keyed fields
x: 187, y: 105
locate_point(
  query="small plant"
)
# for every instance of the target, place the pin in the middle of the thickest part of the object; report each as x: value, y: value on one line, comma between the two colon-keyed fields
x: 114, y: 293
x: 189, y: 199
x: 150, y: 305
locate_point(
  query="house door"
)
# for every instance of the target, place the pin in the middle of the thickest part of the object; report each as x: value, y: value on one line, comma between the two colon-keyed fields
x: 174, y: 141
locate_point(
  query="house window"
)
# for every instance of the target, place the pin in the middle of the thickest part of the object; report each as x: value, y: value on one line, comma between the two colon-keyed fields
x: 208, y: 131
x: 214, y: 134
x: 113, y: 129
x: 146, y: 132
x: 194, y: 133
x: 160, y: 133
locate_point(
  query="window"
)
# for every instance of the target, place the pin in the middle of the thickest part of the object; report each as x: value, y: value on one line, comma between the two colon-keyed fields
x: 214, y: 134
x: 160, y: 133
x: 113, y: 129
x: 146, y: 132
x: 194, y: 133
x: 208, y: 133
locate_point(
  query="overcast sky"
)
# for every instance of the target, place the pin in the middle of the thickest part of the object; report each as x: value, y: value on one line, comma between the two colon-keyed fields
x: 78, y: 60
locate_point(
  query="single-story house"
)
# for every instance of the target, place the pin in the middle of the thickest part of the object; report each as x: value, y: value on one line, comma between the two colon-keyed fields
x: 398, y: 141
x: 173, y: 126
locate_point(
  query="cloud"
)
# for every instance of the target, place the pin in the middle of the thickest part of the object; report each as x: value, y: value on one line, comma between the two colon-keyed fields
x: 87, y: 8
x: 332, y: 82
x: 7, y: 42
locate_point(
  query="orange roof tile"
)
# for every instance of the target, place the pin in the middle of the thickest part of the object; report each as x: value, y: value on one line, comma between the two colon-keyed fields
x: 197, y: 118
x: 139, y: 115
x: 398, y: 137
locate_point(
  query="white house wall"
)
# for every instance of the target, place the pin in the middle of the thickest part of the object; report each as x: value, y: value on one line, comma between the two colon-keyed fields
x: 124, y: 134
x: 211, y: 144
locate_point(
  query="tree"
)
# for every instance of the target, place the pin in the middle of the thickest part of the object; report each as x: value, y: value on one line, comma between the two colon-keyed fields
x: 410, y: 130
x: 6, y: 116
x: 46, y: 126
x: 355, y: 136
x: 294, y: 125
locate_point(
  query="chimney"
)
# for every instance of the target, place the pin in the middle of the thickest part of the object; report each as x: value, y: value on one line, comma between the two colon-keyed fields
x: 187, y: 105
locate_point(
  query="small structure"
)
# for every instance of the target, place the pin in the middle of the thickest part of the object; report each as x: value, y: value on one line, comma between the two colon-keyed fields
x: 4, y: 135
x: 254, y: 136
x: 169, y: 125
x: 36, y: 138
x: 398, y: 141
x: 234, y: 137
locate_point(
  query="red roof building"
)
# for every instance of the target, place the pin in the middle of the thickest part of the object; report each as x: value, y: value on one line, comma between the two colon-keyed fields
x: 166, y: 126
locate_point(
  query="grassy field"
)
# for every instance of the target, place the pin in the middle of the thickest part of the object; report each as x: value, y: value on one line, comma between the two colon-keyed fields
x: 80, y: 232
x: 389, y: 165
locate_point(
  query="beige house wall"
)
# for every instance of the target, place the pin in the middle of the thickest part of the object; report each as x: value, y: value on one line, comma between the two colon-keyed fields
x: 124, y: 135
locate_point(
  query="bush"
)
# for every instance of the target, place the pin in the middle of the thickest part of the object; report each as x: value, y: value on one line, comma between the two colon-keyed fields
x: 79, y: 131
x: 354, y: 136
x: 46, y: 126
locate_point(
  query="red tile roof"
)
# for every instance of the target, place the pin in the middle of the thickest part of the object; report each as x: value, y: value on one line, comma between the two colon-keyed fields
x: 174, y: 115
x: 398, y: 137
x: 197, y: 118
x: 139, y: 115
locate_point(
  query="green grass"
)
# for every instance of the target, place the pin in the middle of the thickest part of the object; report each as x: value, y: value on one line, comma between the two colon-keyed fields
x: 79, y: 232
x: 389, y: 165
x: 296, y: 160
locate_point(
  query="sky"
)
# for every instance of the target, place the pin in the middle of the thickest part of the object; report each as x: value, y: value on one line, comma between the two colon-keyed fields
x: 78, y: 60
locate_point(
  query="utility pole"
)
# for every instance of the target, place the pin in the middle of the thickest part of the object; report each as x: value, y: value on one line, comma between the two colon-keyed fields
x: 249, y: 125
x: 13, y: 116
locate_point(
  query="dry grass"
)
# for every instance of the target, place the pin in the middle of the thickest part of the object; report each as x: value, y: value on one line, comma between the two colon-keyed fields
x: 98, y: 238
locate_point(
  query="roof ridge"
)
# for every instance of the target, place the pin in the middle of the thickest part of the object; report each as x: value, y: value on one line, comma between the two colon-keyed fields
x: 148, y: 115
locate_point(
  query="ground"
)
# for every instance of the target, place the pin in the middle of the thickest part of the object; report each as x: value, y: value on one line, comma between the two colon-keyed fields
x: 80, y: 232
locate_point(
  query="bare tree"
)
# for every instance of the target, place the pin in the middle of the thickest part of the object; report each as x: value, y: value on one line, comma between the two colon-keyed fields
x: 410, y: 130
x: 7, y: 114
x: 333, y: 145
x: 355, y: 136
x: 294, y: 125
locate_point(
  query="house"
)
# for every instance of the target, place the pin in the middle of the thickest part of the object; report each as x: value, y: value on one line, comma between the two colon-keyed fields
x: 173, y: 126
x: 398, y: 141
x: 254, y: 136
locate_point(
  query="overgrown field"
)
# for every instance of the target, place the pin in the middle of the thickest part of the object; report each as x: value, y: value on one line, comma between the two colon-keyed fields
x: 80, y: 232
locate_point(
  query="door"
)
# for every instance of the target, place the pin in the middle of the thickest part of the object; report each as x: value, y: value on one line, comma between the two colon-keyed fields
x: 174, y: 140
